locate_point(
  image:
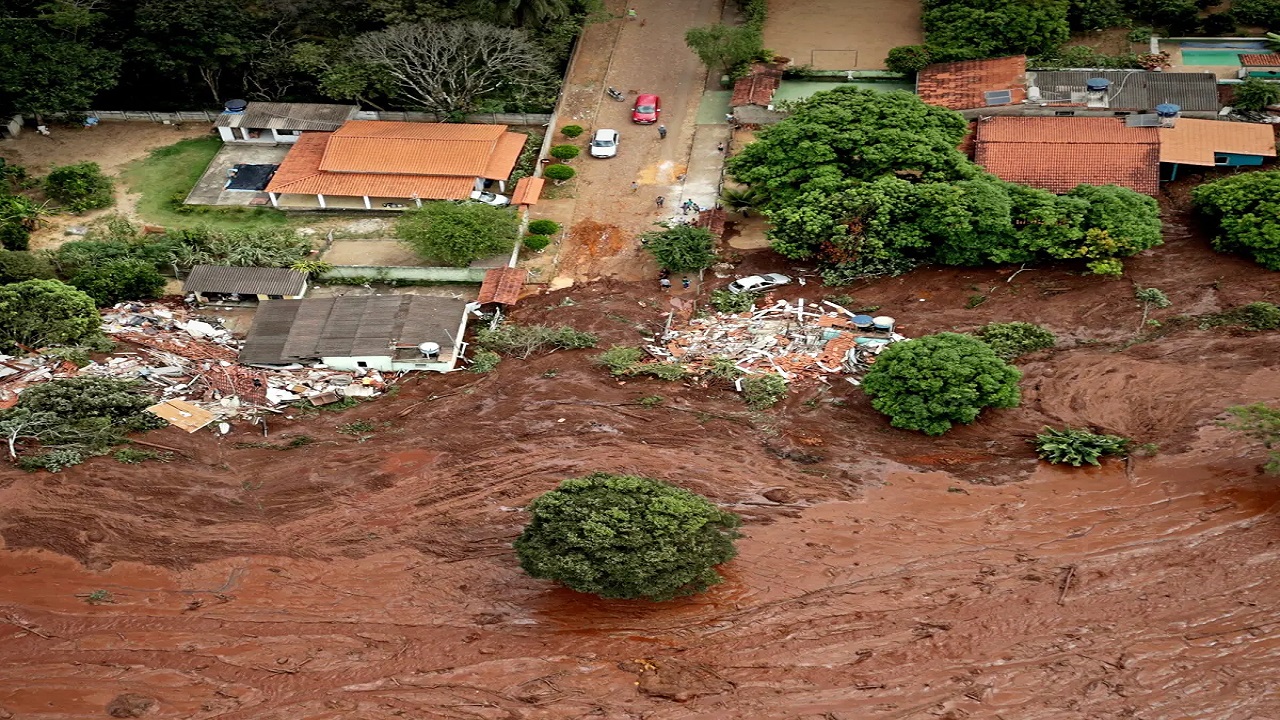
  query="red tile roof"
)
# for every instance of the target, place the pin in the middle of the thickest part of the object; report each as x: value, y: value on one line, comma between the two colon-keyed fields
x: 502, y: 285
x: 528, y: 190
x: 960, y: 85
x: 758, y: 87
x: 432, y: 161
x: 1195, y: 142
x: 1057, y: 154
x: 1261, y: 60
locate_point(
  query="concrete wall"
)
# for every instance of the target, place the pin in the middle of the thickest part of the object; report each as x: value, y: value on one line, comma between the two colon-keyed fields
x: 394, y: 272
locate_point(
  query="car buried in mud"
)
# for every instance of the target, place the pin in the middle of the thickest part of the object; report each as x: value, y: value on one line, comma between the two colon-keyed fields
x: 757, y: 283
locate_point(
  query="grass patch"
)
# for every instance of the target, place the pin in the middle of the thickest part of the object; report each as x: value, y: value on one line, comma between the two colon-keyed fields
x: 172, y: 171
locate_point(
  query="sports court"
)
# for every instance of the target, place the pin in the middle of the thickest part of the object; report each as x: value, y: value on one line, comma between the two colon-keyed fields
x: 841, y: 34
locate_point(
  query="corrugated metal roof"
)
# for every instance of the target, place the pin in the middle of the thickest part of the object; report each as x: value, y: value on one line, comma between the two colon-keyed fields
x: 1057, y: 154
x: 1195, y: 142
x: 963, y: 85
x: 1132, y: 89
x: 286, y: 331
x: 244, y: 280
x: 289, y: 116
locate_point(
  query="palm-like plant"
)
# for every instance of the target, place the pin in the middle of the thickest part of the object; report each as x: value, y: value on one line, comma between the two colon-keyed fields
x: 1076, y: 447
x: 739, y: 199
x: 532, y: 13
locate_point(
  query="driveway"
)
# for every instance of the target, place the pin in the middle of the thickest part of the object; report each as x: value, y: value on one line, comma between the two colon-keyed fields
x: 645, y: 55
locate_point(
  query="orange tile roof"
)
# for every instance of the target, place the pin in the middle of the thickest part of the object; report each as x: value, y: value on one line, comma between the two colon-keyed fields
x: 960, y: 85
x: 434, y: 161
x: 504, y: 156
x: 528, y: 190
x: 757, y: 87
x: 1057, y: 154
x: 1194, y: 142
x: 1260, y: 60
x: 502, y: 285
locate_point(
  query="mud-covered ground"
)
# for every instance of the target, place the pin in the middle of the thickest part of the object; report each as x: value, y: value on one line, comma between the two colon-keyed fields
x: 883, y: 574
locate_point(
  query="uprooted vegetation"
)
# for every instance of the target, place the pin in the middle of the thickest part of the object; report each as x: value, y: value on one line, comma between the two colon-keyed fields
x: 523, y: 341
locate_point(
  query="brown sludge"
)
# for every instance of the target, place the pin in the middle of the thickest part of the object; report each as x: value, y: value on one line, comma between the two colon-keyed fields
x: 883, y: 574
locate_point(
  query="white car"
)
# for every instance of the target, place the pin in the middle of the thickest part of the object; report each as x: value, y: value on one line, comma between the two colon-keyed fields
x: 604, y: 144
x: 489, y: 198
x: 756, y: 283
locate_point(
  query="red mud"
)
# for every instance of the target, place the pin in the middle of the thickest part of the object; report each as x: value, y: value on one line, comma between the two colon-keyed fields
x: 883, y: 574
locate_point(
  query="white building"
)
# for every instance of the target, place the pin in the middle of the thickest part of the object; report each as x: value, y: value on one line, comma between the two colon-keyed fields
x: 268, y: 123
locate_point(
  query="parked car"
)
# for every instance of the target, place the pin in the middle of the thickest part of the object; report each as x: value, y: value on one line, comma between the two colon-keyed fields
x: 756, y: 283
x: 604, y: 144
x: 489, y: 198
x: 647, y: 109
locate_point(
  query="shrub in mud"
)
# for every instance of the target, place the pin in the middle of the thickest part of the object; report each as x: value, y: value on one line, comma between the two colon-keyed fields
x: 930, y: 383
x: 1014, y: 339
x: 625, y: 536
x: 1076, y: 447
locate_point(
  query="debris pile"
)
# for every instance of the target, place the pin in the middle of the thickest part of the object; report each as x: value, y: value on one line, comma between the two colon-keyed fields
x: 800, y: 341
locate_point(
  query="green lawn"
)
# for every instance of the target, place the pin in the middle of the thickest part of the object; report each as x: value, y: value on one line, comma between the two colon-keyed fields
x: 170, y: 172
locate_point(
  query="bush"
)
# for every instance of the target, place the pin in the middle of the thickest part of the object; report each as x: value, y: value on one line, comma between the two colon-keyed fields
x: 1256, y: 94
x: 571, y: 131
x: 1223, y: 23
x: 662, y: 370
x: 763, y: 391
x: 624, y: 536
x: 119, y: 280
x: 18, y: 217
x: 1014, y: 339
x: 483, y: 361
x: 1260, y: 423
x: 620, y: 359
x: 565, y: 152
x: 559, y: 173
x: 1254, y: 316
x: 727, y: 302
x: 1265, y: 13
x: 908, y: 59
x: 40, y: 313
x: 80, y: 187
x: 544, y: 227
x: 1243, y: 209
x: 537, y: 243
x: 458, y: 233
x: 1095, y: 14
x: 681, y: 248
x: 1076, y: 447
x: 524, y: 340
x: 17, y: 266
x: 930, y: 383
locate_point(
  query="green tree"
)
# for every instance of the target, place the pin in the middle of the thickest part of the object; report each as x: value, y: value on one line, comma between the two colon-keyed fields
x: 18, y: 266
x: 930, y: 383
x: 80, y: 187
x: 624, y: 536
x: 40, y: 313
x: 1265, y: 13
x: 559, y: 173
x: 723, y: 47
x: 47, y: 66
x: 19, y: 215
x: 1095, y: 14
x: 1245, y: 209
x: 681, y: 248
x: 458, y: 233
x: 1256, y: 94
x: 119, y: 280
x: 1260, y: 423
x: 972, y: 29
x: 908, y: 59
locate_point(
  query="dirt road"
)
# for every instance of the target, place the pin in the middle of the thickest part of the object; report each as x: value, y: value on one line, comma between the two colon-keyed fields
x: 645, y: 55
x: 885, y: 575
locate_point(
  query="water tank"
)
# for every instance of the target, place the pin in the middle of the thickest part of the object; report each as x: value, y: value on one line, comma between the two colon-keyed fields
x: 234, y: 107
x: 429, y: 349
x: 862, y: 322
x: 883, y: 322
x: 1097, y: 84
x: 1033, y: 94
x: 1167, y: 110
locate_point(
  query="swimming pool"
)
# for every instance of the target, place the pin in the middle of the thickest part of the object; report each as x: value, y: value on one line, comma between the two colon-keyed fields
x: 1218, y: 52
x: 1191, y: 56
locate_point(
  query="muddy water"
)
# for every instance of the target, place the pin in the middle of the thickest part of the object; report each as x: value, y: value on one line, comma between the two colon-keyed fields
x: 902, y: 576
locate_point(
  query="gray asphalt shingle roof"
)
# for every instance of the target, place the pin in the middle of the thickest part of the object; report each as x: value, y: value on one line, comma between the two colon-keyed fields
x: 1132, y: 89
x: 289, y: 116
x: 244, y: 280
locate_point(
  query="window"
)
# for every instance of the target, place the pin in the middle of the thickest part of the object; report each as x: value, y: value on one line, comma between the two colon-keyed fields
x: 1064, y: 113
x: 1121, y: 113
x: 362, y: 364
x: 1221, y: 159
x: 275, y: 297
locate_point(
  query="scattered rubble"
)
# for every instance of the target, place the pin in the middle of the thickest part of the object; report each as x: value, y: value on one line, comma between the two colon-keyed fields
x: 800, y: 341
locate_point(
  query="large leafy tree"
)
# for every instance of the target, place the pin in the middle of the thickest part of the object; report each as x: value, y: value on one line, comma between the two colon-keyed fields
x: 721, y: 47
x: 1246, y: 210
x: 49, y: 62
x: 971, y: 29
x: 681, y: 248
x: 933, y: 382
x: 119, y: 280
x: 40, y: 313
x: 457, y: 233
x: 624, y: 536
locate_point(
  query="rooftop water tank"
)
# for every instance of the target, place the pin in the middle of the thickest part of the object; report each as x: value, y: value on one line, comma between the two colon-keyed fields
x: 429, y: 349
x: 1097, y: 84
x: 1033, y: 94
x: 883, y: 322
x: 234, y: 107
x: 1167, y: 110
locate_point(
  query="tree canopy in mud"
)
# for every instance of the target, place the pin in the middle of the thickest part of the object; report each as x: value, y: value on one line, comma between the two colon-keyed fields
x: 625, y: 536
x: 872, y: 183
x: 1246, y: 211
x: 933, y: 382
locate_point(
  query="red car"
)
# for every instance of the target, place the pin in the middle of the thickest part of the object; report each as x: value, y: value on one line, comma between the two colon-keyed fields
x: 646, y: 110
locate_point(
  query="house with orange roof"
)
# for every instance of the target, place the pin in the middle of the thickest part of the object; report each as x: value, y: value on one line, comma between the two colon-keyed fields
x: 376, y: 164
x: 974, y: 84
x: 1059, y: 153
x: 1213, y: 143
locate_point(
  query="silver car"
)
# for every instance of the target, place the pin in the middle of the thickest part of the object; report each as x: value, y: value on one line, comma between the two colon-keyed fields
x: 604, y: 144
x: 756, y: 283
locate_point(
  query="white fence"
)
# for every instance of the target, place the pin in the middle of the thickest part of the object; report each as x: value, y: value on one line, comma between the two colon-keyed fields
x: 212, y: 115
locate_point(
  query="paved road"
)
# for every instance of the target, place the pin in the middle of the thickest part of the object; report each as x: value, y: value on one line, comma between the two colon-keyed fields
x: 647, y: 54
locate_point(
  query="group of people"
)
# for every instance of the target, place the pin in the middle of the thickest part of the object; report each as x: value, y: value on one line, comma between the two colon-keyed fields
x: 664, y: 280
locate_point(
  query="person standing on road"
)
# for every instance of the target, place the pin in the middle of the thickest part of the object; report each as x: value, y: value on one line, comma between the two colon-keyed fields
x: 634, y: 186
x: 720, y: 148
x: 664, y: 283
x: 660, y: 200
x: 662, y: 132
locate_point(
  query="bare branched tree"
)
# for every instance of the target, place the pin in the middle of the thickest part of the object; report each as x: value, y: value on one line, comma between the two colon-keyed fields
x: 448, y: 67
